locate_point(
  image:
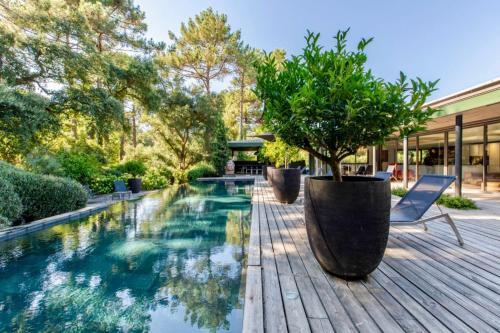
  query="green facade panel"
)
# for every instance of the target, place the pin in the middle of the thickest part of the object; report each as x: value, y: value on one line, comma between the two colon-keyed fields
x: 470, y: 103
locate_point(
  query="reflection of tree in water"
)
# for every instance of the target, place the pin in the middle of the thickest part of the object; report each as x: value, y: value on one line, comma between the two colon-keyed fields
x: 208, y: 289
x: 111, y: 271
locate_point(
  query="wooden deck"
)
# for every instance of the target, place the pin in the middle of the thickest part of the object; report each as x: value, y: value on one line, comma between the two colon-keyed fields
x: 426, y: 282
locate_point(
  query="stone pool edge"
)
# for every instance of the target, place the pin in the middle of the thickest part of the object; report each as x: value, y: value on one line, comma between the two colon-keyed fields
x: 23, y: 229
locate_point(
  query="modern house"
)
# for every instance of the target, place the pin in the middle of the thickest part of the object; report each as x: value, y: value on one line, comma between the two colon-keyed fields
x: 465, y: 130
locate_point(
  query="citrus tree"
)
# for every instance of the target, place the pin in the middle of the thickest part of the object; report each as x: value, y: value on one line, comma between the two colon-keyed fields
x: 326, y: 102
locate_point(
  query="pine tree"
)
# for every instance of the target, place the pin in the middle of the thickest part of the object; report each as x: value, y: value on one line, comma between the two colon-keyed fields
x: 205, y: 49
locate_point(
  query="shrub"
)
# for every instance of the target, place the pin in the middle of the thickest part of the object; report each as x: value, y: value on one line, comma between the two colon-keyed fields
x: 201, y: 170
x: 133, y: 167
x: 4, y: 222
x: 157, y: 179
x: 43, y: 195
x: 11, y: 206
x: 399, y: 191
x: 43, y: 162
x: 103, y: 184
x: 456, y: 202
x: 79, y: 166
x: 281, y: 154
x: 180, y: 176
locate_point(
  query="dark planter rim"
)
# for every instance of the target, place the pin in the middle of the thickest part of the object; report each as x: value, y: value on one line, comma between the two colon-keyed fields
x: 347, y: 179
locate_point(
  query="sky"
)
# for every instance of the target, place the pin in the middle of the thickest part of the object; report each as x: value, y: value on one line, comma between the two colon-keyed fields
x: 456, y: 41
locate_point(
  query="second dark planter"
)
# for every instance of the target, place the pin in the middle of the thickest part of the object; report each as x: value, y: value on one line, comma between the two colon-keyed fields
x: 135, y: 184
x: 264, y: 172
x: 347, y: 223
x: 286, y: 184
x: 270, y: 175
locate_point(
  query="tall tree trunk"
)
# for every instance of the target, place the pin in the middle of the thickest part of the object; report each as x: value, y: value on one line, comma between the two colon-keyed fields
x: 134, y: 127
x: 242, y: 96
x: 74, y: 128
x: 122, y: 146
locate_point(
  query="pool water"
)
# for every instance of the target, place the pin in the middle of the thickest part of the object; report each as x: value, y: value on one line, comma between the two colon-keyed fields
x: 170, y: 262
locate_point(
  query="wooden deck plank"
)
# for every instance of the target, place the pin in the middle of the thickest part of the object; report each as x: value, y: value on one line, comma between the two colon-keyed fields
x: 274, y: 312
x: 321, y: 325
x: 254, y: 241
x: 253, y: 316
x: 331, y: 303
x: 449, y: 286
x: 468, y: 253
x: 294, y: 307
x: 425, y: 282
x: 448, y: 266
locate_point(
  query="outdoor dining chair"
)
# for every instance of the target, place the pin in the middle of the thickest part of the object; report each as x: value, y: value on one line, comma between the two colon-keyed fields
x: 392, y: 169
x: 412, y: 207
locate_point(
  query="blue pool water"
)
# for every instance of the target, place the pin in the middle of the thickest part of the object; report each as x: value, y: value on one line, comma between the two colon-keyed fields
x: 170, y: 262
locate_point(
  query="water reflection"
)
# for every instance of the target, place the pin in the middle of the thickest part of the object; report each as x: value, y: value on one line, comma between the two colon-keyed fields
x: 169, y: 262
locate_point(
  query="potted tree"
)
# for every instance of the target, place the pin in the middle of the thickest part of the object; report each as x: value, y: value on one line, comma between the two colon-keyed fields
x: 327, y: 103
x: 284, y: 180
x: 136, y: 169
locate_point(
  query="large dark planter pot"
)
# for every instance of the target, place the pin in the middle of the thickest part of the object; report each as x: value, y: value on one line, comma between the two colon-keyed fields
x: 135, y: 184
x: 286, y: 184
x: 347, y: 223
x: 270, y: 175
x: 264, y: 172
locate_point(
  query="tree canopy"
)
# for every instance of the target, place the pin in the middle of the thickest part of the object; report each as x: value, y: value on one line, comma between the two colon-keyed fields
x: 205, y: 49
x: 328, y: 103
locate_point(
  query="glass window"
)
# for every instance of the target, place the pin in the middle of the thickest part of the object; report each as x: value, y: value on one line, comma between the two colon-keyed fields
x: 412, y: 157
x: 357, y: 163
x: 431, y: 154
x: 472, y: 155
x: 493, y: 158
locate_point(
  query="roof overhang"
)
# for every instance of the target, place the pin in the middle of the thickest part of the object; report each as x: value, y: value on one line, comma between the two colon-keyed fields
x: 245, y: 145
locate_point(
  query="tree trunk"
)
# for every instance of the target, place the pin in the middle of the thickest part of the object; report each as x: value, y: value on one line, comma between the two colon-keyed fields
x: 134, y: 127
x: 74, y: 128
x: 122, y: 147
x: 335, y: 165
x: 242, y: 95
x: 206, y: 81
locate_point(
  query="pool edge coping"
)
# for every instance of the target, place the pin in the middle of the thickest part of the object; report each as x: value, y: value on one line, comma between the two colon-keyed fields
x: 24, y: 229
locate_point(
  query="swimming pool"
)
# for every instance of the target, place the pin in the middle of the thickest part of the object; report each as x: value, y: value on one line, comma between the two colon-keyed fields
x: 169, y: 262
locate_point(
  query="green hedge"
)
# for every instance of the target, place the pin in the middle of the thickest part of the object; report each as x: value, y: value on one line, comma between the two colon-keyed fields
x: 43, y: 195
x: 201, y: 170
x: 11, y: 206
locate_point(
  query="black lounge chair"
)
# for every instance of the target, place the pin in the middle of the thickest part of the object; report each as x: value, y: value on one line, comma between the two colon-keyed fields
x: 412, y: 207
x: 361, y: 170
x: 120, y: 190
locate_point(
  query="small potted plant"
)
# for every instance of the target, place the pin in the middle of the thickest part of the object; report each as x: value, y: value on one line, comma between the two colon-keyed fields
x: 284, y: 180
x: 327, y: 103
x: 136, y: 169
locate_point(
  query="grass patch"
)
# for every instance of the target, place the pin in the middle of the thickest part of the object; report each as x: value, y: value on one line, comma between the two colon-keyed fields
x: 456, y: 202
x: 399, y: 191
x: 444, y: 200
